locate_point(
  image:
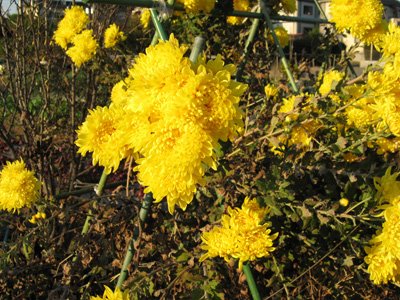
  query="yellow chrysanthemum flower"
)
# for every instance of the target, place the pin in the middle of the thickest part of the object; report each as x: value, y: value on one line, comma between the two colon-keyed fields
x: 112, y: 36
x: 271, y: 90
x: 173, y: 162
x: 84, y: 47
x: 282, y: 35
x: 241, y: 235
x: 18, y: 187
x: 110, y: 295
x: 242, y: 5
x: 360, y: 113
x: 35, y: 218
x: 196, y: 6
x: 365, y: 15
x: 387, y: 186
x: 101, y: 134
x: 376, y: 35
x: 382, y: 266
x: 329, y: 78
x: 288, y: 6
x: 145, y: 18
x: 391, y: 41
x: 74, y: 21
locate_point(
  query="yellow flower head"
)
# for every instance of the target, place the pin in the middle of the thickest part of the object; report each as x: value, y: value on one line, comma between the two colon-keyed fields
x: 241, y: 236
x: 282, y: 35
x: 145, y: 18
x: 391, y: 41
x: 360, y: 113
x: 110, y: 295
x: 382, y: 266
x: 376, y: 35
x: 37, y: 217
x: 173, y: 163
x: 18, y: 186
x: 387, y: 186
x: 242, y: 5
x: 329, y: 78
x: 101, y: 134
x: 74, y: 21
x: 196, y: 6
x: 271, y: 90
x: 112, y: 36
x: 358, y: 16
x: 84, y: 47
x: 288, y: 6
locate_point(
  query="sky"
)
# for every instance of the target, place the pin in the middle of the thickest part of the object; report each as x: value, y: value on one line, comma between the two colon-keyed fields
x: 8, y: 8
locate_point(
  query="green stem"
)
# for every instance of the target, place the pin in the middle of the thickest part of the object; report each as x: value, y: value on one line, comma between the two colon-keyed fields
x: 154, y: 41
x: 251, y: 282
x: 157, y: 24
x: 249, y: 41
x: 99, y: 191
x: 280, y: 50
x: 86, y: 190
x: 197, y: 48
x: 143, y: 213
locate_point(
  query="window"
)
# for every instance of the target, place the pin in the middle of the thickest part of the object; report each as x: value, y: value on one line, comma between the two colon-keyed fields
x: 308, y: 10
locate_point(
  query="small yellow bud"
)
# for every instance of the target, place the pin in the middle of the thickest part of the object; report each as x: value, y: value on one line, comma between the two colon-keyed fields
x: 344, y: 202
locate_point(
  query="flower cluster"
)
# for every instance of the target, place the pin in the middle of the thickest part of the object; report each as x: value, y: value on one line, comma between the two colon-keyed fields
x: 366, y: 18
x: 71, y: 30
x: 170, y: 111
x: 18, y: 186
x: 112, y: 36
x: 241, y: 236
x: 383, y: 257
x: 110, y: 295
x: 282, y: 35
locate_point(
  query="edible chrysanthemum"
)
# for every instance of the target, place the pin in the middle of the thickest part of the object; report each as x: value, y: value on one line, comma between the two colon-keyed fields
x: 74, y: 21
x: 242, y: 235
x: 110, y: 295
x: 18, y: 187
x: 84, y: 47
x: 174, y: 113
x: 112, y: 36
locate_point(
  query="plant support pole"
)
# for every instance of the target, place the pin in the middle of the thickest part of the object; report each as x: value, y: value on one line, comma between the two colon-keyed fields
x: 280, y: 50
x: 249, y: 42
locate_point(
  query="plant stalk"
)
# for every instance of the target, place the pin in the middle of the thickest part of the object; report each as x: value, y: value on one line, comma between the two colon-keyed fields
x: 143, y: 213
x: 252, y: 284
